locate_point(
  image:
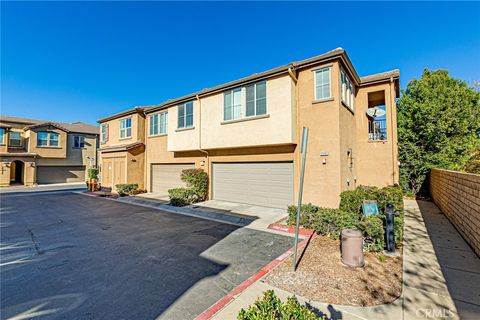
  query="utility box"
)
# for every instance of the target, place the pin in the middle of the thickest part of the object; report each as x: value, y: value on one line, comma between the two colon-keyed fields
x: 352, y: 248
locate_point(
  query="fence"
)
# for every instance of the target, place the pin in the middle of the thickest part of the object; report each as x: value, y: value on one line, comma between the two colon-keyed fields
x: 457, y: 194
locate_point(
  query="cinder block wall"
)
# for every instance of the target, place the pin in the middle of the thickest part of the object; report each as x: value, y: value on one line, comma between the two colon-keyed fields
x: 457, y: 194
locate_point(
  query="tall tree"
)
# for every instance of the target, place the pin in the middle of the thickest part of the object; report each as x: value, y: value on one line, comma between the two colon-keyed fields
x: 438, y: 126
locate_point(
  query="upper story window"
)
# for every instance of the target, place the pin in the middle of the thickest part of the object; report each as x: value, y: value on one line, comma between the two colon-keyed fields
x: 15, y: 139
x: 347, y: 90
x: 125, y: 128
x: 322, y: 84
x: 158, y: 123
x: 104, y: 132
x: 79, y: 142
x: 185, y: 115
x: 232, y: 104
x: 256, y: 99
x: 47, y: 139
x: 2, y: 136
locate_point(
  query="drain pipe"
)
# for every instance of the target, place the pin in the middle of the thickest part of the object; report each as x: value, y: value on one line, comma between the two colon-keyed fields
x: 392, y: 114
x: 207, y: 164
x: 293, y: 76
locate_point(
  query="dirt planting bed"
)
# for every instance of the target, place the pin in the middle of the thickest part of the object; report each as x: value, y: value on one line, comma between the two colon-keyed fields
x: 321, y: 276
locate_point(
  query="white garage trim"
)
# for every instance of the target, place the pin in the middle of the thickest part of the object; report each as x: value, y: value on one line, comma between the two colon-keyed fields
x: 165, y: 176
x: 267, y: 184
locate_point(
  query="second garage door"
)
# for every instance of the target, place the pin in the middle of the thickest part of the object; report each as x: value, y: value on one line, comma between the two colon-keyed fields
x: 167, y: 176
x: 267, y: 184
x: 60, y: 174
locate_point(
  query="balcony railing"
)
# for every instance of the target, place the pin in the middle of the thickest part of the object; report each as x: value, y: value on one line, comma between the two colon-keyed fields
x: 377, y: 130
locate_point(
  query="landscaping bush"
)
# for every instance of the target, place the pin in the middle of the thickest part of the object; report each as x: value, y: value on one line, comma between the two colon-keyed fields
x: 126, y: 189
x: 196, y: 190
x: 197, y: 180
x: 93, y: 173
x: 270, y: 307
x: 325, y: 221
x: 330, y: 222
x: 180, y: 197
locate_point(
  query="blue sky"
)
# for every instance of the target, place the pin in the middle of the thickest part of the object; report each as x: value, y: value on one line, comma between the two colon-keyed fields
x: 69, y: 61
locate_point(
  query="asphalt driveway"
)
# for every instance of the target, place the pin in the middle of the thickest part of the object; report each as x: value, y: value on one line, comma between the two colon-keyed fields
x: 69, y: 256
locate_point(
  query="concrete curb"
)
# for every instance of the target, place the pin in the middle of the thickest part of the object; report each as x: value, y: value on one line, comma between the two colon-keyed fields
x: 290, y: 229
x: 229, y: 297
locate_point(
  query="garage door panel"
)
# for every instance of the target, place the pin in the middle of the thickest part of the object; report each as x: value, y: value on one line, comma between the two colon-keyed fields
x: 266, y: 183
x: 167, y: 176
x: 60, y: 174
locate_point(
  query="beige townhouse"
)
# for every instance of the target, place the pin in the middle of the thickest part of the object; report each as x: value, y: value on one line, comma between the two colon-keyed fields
x: 246, y: 135
x: 42, y: 152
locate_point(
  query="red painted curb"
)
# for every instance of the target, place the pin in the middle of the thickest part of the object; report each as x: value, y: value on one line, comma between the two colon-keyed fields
x: 290, y: 229
x: 220, y: 304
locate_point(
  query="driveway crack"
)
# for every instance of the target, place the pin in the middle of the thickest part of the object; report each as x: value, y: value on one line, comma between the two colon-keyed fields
x: 35, y: 243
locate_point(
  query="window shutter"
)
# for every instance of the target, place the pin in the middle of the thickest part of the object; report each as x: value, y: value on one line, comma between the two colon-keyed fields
x: 106, y: 135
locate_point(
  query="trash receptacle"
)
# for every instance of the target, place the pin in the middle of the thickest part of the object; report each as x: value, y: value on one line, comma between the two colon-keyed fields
x: 352, y: 248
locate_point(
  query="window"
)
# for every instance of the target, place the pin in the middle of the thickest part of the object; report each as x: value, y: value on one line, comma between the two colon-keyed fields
x: 104, y: 132
x: 15, y: 139
x: 377, y: 121
x: 154, y: 125
x: 2, y: 136
x: 47, y: 139
x: 322, y: 84
x: 79, y: 142
x: 256, y: 99
x: 348, y: 91
x: 185, y: 115
x: 125, y: 128
x: 232, y: 104
x: 159, y: 123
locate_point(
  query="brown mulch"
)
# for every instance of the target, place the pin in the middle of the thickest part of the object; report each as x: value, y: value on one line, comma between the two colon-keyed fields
x: 321, y: 276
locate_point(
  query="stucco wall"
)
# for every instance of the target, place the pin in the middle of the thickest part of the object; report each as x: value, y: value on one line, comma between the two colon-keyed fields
x: 138, y: 130
x: 457, y: 194
x: 276, y: 127
x: 322, y: 181
x: 74, y: 156
x: 183, y: 139
x: 46, y: 151
x: 377, y: 161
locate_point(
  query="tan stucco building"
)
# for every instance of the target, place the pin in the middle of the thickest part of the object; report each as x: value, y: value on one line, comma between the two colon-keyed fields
x: 246, y: 135
x: 42, y: 152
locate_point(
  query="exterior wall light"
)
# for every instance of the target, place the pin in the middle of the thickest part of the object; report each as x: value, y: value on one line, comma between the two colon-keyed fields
x: 202, y: 163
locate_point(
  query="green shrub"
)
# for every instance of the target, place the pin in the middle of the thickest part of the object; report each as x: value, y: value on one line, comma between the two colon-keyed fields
x: 270, y: 307
x: 93, y: 173
x: 197, y: 180
x: 180, y: 197
x: 196, y: 190
x: 126, y: 189
x: 373, y: 231
x: 325, y: 221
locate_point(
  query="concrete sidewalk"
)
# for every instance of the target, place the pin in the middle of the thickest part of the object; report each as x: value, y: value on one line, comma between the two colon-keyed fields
x: 441, y: 276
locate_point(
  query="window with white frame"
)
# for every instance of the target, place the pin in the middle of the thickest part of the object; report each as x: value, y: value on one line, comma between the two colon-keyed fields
x: 15, y: 139
x: 79, y: 142
x: 47, y: 139
x: 104, y: 132
x: 2, y: 136
x: 322, y: 84
x: 347, y: 90
x: 185, y: 115
x: 158, y: 123
x: 232, y: 104
x: 125, y: 128
x: 256, y: 99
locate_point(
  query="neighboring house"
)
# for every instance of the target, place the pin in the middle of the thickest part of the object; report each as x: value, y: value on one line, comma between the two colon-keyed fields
x: 246, y: 135
x: 38, y: 151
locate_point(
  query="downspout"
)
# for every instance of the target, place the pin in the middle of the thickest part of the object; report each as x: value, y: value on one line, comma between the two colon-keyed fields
x: 393, y: 129
x: 292, y: 73
x: 207, y: 162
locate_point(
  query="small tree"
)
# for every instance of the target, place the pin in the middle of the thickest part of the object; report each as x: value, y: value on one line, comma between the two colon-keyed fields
x: 438, y: 126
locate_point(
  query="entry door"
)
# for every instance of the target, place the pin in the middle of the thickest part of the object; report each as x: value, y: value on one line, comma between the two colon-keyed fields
x: 267, y: 184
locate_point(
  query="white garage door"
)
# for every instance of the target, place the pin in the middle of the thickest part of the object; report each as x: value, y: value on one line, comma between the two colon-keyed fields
x: 167, y: 176
x: 60, y: 174
x: 267, y: 184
